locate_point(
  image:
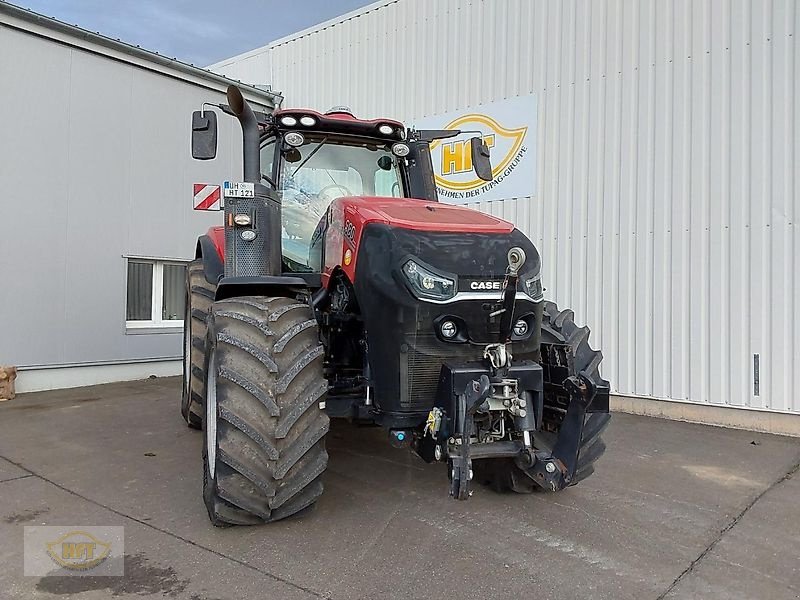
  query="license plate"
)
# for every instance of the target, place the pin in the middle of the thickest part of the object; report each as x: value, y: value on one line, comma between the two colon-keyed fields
x: 239, y: 189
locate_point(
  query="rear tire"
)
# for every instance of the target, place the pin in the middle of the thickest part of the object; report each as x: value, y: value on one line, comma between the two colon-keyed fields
x: 199, y: 296
x: 265, y: 424
x: 502, y: 475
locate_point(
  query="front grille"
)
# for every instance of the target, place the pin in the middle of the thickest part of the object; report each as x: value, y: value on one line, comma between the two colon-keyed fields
x: 423, y: 379
x: 244, y: 258
x: 422, y: 364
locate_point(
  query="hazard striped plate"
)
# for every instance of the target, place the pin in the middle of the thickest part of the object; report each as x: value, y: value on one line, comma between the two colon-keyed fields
x: 207, y: 197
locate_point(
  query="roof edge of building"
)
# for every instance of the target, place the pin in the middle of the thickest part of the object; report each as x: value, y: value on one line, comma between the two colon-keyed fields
x: 134, y: 52
x: 304, y: 32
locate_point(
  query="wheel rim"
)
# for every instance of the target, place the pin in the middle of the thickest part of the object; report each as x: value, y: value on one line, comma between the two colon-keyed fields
x: 210, y: 425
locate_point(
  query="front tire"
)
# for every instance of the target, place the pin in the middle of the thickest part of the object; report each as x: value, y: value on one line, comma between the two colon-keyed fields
x: 265, y: 424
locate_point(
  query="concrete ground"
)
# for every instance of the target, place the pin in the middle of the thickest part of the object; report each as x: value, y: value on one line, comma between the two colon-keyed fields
x: 674, y: 510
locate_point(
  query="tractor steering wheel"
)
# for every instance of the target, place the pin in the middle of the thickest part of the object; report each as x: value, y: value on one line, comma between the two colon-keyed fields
x: 334, y: 186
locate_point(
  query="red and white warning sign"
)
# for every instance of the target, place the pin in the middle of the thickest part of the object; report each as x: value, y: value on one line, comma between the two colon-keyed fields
x: 206, y: 197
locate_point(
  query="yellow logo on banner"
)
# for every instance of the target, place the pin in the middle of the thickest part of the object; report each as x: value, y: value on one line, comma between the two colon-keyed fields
x: 453, y: 161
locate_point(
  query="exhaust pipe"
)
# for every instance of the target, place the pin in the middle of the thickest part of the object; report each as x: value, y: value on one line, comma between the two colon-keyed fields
x: 258, y: 254
x: 250, y: 142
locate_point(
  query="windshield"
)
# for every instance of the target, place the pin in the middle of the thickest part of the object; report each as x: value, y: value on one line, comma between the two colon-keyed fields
x: 324, y: 168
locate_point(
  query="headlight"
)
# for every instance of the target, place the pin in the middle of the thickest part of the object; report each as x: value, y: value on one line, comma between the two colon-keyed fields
x: 520, y: 328
x: 288, y: 121
x: 448, y: 329
x: 426, y: 284
x: 533, y: 286
x: 308, y: 121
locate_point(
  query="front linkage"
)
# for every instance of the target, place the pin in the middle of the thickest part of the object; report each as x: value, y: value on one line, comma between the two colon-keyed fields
x: 503, y: 390
x: 552, y: 471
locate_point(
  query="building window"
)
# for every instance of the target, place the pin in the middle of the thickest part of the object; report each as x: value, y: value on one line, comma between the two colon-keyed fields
x: 155, y: 293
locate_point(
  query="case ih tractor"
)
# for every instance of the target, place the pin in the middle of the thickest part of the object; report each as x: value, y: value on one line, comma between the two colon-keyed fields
x: 339, y: 287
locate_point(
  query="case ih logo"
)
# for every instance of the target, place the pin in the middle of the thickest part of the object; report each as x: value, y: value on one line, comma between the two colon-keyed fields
x: 479, y: 285
x: 484, y: 285
x: 453, y: 162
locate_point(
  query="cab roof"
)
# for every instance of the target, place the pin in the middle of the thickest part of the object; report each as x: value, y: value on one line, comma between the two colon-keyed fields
x: 339, y: 121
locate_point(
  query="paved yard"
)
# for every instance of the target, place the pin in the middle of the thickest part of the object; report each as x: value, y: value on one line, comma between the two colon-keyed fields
x: 674, y: 511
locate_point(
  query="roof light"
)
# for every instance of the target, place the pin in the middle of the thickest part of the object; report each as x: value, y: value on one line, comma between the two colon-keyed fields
x: 294, y: 138
x: 308, y: 121
x: 340, y: 109
x: 400, y: 149
x: 288, y: 121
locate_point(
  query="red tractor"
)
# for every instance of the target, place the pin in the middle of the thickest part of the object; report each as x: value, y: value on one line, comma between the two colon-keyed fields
x: 339, y: 287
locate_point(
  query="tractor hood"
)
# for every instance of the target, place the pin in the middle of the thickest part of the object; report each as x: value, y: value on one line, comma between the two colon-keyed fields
x: 422, y: 215
x: 451, y: 239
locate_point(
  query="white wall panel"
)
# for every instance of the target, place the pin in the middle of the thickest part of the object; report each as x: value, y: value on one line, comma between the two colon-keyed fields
x: 667, y: 203
x: 95, y: 165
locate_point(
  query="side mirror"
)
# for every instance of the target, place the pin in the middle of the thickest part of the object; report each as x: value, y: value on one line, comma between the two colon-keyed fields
x: 204, y: 134
x: 480, y: 159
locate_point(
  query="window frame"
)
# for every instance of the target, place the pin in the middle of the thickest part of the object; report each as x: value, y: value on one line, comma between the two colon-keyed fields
x: 156, y: 322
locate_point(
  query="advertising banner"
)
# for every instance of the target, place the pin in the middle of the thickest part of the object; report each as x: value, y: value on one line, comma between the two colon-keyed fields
x: 508, y: 127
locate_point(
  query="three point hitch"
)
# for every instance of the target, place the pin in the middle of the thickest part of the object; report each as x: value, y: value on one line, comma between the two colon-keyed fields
x: 552, y: 470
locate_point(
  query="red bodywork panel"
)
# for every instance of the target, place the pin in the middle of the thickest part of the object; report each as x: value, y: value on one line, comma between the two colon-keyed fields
x: 217, y: 235
x: 349, y: 216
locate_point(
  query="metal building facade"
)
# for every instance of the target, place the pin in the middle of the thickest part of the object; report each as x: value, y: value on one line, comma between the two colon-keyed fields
x: 667, y: 202
x: 95, y: 167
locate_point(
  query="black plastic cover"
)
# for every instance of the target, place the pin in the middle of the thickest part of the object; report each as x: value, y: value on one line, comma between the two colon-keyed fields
x: 405, y: 351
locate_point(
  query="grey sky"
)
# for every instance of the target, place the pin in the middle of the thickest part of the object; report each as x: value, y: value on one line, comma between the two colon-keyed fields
x: 196, y: 31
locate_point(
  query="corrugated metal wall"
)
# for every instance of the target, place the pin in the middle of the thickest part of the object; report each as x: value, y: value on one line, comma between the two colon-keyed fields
x: 667, y: 204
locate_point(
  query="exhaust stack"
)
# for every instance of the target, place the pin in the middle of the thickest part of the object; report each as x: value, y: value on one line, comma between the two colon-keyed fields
x: 250, y: 142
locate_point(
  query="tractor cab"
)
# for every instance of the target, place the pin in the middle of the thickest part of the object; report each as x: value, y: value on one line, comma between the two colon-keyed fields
x: 309, y: 159
x: 312, y: 159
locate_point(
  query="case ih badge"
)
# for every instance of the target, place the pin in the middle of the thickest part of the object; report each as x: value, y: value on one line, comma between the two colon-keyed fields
x: 206, y: 197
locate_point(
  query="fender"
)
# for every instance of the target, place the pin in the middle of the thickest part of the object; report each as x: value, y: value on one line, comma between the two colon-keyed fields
x: 211, y: 249
x: 288, y: 286
x: 209, y: 252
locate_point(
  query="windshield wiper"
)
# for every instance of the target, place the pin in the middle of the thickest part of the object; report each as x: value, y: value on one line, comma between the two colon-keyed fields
x: 310, y: 154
